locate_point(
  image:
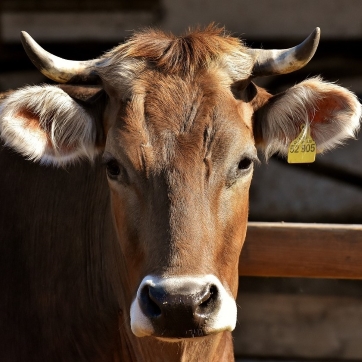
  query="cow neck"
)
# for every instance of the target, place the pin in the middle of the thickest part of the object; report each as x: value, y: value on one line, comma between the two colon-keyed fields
x: 214, y: 348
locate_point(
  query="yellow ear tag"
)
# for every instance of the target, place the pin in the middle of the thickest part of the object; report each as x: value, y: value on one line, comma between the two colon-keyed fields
x: 303, y: 149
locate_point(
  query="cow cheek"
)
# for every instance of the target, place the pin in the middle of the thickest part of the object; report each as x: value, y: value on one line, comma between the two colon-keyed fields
x: 233, y: 236
x: 127, y: 234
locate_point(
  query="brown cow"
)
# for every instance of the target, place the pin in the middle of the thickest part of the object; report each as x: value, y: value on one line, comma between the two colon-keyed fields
x: 177, y: 121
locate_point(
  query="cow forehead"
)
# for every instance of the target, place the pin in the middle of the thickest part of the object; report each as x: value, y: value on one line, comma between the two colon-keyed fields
x: 169, y: 118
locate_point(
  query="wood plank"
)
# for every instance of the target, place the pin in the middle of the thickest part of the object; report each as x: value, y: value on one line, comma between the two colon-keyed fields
x: 302, y: 250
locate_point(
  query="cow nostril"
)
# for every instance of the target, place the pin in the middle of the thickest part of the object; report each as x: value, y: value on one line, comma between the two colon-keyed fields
x: 148, y: 303
x: 208, y: 300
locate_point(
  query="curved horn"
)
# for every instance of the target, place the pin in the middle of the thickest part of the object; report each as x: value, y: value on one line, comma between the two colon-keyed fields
x: 270, y: 62
x: 55, y: 68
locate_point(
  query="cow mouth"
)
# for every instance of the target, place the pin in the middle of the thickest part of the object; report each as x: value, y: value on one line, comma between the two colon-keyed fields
x: 175, y: 334
x: 178, y: 335
x: 188, y: 336
x: 179, y: 326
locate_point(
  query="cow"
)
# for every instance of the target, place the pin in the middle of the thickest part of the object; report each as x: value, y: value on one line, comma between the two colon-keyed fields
x: 146, y: 268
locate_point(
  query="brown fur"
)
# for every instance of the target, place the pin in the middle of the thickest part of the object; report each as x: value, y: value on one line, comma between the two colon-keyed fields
x: 56, y: 252
x: 184, y: 54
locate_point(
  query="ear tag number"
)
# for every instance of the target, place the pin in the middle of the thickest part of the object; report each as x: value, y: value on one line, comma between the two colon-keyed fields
x: 303, y: 149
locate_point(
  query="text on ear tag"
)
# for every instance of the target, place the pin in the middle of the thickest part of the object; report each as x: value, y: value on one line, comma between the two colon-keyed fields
x: 303, y: 149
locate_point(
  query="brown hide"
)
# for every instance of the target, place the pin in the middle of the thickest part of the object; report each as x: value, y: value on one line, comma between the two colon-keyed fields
x: 56, y: 255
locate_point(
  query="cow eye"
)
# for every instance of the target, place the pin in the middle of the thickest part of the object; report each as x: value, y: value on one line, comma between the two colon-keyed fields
x: 239, y: 169
x: 113, y: 169
x: 244, y: 163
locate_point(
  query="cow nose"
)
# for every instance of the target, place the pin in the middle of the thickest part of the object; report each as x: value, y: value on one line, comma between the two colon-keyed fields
x: 181, y: 310
x: 182, y: 307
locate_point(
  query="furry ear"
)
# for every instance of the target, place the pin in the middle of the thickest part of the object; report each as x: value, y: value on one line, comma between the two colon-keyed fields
x: 44, y: 123
x: 332, y: 112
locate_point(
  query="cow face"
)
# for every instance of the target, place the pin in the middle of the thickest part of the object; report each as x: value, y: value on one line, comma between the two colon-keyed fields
x: 179, y: 182
x: 177, y: 121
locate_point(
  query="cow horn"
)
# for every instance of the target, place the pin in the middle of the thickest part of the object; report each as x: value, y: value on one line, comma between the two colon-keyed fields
x: 58, y: 69
x: 283, y: 61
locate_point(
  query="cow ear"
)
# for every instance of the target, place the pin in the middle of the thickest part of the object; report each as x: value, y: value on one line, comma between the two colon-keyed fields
x: 332, y: 113
x: 46, y: 124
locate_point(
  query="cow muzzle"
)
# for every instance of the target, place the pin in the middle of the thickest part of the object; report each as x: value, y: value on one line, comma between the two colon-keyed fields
x: 182, y: 307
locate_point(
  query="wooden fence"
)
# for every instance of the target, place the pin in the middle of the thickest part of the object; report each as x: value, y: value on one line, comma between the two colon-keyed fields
x: 301, y: 325
x: 302, y: 250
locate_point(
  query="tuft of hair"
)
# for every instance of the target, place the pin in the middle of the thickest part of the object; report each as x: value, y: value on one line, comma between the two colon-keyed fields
x: 44, y: 123
x: 183, y: 55
x: 331, y: 112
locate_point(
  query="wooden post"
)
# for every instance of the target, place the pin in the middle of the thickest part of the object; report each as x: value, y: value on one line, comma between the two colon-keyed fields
x: 302, y: 250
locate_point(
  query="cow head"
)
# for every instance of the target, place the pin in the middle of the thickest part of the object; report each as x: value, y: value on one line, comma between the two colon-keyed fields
x: 177, y: 120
